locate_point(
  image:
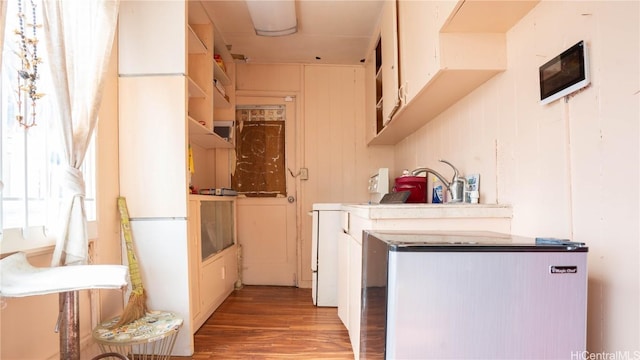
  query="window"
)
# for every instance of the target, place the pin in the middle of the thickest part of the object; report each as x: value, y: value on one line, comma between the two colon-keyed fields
x: 260, y: 148
x: 31, y: 156
x: 216, y: 227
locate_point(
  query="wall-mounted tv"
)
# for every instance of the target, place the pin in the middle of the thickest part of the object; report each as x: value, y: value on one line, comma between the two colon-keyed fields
x: 565, y: 73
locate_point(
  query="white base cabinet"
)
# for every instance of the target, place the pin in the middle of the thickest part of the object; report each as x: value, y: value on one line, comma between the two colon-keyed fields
x: 212, y: 273
x: 355, y: 284
x: 343, y: 278
x: 350, y: 270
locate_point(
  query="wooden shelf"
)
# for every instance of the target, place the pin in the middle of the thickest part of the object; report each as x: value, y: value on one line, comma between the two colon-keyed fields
x: 204, y: 42
x: 203, y: 137
x: 219, y: 100
x: 195, y: 91
x: 220, y: 48
x: 487, y: 16
x: 196, y: 46
x: 220, y: 74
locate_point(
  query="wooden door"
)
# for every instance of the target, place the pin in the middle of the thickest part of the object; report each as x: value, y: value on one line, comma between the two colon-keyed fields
x: 267, y: 226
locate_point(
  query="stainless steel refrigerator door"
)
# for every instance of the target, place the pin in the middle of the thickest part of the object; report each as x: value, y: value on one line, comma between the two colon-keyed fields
x: 484, y: 305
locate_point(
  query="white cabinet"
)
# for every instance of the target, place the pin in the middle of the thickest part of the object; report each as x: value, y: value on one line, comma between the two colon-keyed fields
x: 193, y: 229
x: 152, y: 145
x: 383, y: 73
x: 419, y: 40
x: 350, y: 281
x: 446, y: 50
x: 166, y: 71
x: 389, y: 69
x: 213, y: 254
x: 151, y: 38
x: 355, y: 284
x: 343, y: 279
x: 350, y: 270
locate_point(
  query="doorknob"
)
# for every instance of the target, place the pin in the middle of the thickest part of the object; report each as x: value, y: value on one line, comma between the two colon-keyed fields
x: 291, y: 199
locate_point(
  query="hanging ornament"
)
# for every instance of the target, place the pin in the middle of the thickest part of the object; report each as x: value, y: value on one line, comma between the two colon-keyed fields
x: 28, y: 73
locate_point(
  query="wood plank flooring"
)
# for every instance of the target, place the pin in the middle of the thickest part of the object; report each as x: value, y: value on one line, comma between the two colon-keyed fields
x: 271, y: 322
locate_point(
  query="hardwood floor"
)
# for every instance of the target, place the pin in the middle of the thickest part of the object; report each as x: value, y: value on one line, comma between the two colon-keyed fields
x: 271, y: 322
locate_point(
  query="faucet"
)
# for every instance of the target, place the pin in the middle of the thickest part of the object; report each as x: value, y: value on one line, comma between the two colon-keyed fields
x: 456, y: 186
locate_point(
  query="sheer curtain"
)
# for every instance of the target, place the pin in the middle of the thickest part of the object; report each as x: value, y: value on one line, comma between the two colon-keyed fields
x: 78, y: 56
x: 3, y: 15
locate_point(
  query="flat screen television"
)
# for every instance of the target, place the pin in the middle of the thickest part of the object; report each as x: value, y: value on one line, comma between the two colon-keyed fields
x: 565, y: 73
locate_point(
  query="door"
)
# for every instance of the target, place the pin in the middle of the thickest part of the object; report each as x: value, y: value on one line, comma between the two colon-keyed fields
x: 391, y: 101
x: 267, y: 221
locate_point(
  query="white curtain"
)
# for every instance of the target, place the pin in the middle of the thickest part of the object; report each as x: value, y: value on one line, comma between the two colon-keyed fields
x: 79, y: 56
x: 3, y: 16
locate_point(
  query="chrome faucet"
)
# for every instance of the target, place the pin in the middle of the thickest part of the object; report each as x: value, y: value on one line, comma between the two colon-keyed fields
x: 457, y: 185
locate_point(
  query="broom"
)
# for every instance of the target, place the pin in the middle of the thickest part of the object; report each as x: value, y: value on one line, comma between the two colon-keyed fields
x: 137, y: 304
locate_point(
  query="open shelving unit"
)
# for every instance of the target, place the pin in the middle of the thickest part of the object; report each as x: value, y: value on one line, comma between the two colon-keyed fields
x: 205, y: 99
x: 202, y: 136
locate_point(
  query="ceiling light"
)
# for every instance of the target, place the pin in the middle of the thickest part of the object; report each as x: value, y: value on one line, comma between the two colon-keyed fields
x: 273, y: 17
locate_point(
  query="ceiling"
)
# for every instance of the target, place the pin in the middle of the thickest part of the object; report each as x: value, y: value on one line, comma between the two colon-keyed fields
x: 329, y: 31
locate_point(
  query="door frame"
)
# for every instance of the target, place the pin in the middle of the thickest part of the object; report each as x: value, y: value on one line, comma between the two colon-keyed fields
x: 298, y: 162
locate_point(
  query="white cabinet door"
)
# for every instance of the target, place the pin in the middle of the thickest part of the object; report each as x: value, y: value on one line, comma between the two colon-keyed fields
x: 212, y: 276
x: 152, y: 37
x: 355, y: 283
x: 390, y: 74
x: 419, y: 24
x: 153, y: 146
x: 193, y: 230
x: 344, y: 275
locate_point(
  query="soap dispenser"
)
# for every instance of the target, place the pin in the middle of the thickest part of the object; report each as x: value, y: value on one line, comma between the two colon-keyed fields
x: 438, y: 191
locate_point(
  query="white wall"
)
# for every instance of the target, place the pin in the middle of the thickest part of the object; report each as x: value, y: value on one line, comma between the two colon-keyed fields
x: 570, y: 169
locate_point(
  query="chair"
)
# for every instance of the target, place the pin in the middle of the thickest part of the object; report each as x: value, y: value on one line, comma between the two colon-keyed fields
x: 151, y: 337
x: 21, y: 279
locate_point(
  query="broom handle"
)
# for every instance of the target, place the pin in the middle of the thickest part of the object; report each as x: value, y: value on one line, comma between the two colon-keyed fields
x: 134, y: 269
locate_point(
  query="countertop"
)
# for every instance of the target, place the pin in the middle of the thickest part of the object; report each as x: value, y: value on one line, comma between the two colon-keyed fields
x: 465, y: 241
x: 429, y: 211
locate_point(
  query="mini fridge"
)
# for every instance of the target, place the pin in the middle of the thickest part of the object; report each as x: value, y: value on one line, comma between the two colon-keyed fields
x: 472, y: 296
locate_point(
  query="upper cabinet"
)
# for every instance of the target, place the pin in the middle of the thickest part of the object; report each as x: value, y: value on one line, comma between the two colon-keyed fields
x: 144, y: 43
x: 446, y: 50
x: 152, y: 107
x: 388, y: 68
